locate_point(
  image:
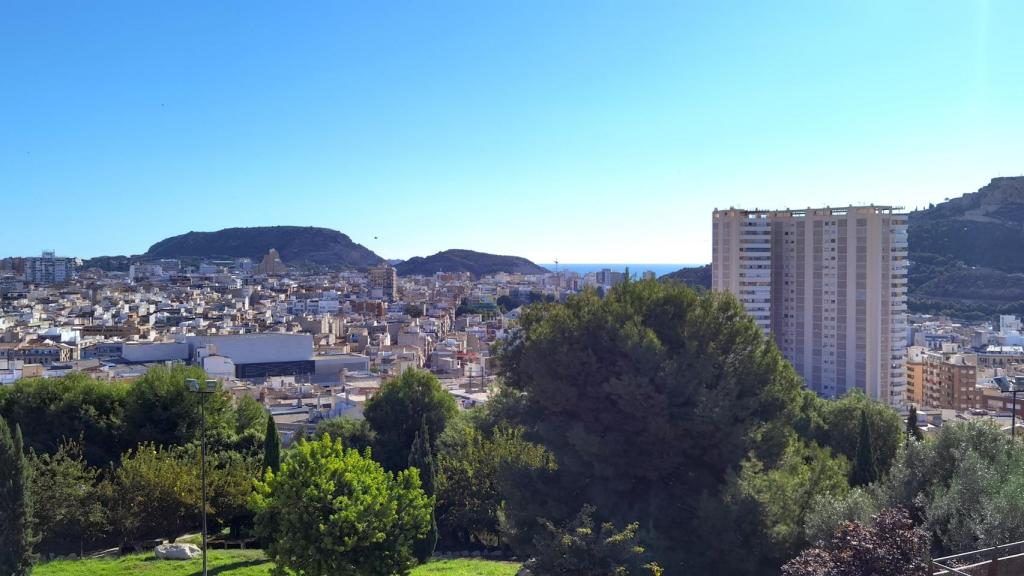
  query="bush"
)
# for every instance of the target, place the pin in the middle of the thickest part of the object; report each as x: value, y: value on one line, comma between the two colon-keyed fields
x: 331, y: 511
x: 581, y: 548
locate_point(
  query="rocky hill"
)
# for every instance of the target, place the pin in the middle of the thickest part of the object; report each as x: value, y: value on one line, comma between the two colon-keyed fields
x: 965, y: 254
x: 698, y: 277
x: 297, y: 245
x: 476, y: 263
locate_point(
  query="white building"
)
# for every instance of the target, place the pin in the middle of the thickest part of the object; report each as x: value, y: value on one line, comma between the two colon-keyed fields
x: 49, y: 269
x: 829, y: 284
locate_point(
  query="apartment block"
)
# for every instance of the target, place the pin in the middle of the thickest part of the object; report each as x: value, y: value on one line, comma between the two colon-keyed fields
x: 829, y: 285
x: 49, y: 269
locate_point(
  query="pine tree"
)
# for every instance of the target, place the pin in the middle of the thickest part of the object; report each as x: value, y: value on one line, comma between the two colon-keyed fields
x: 913, y: 432
x: 865, y: 467
x: 421, y: 457
x: 271, y: 447
x: 16, y: 537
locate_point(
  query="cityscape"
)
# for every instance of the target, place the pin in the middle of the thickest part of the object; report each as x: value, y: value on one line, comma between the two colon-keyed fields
x: 477, y: 288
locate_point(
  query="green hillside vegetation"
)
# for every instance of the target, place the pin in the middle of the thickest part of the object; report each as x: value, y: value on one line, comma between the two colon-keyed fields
x: 476, y: 263
x: 965, y: 256
x: 297, y: 245
x: 697, y: 277
x: 241, y: 563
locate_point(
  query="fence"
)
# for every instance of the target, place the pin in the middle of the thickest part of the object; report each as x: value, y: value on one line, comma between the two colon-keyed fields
x: 1003, y: 560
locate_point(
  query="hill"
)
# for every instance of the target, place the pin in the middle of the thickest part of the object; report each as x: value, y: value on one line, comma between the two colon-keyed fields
x: 965, y: 258
x: 297, y: 245
x: 476, y: 263
x: 699, y: 277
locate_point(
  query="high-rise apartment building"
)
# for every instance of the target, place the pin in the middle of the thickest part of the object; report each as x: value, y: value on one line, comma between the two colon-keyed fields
x: 830, y: 286
x: 49, y: 269
x: 384, y: 282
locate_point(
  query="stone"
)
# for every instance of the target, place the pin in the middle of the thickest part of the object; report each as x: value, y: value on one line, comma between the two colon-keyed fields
x: 177, y: 551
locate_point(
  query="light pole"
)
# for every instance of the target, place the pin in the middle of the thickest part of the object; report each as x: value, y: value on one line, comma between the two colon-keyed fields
x: 209, y: 387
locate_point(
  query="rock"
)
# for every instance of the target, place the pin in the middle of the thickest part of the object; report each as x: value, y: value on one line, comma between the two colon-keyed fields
x: 524, y: 571
x: 177, y: 551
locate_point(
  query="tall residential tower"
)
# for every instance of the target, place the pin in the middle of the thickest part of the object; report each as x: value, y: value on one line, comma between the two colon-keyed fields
x: 829, y: 284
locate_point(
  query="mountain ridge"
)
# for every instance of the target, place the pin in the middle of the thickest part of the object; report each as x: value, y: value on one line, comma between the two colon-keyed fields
x: 460, y: 260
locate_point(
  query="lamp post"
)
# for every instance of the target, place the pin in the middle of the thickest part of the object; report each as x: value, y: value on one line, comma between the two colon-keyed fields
x: 209, y: 387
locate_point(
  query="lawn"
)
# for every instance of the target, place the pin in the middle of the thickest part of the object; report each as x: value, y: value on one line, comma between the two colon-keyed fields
x: 240, y: 563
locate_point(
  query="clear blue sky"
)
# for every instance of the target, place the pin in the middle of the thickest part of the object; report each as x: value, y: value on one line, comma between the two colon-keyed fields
x: 584, y: 130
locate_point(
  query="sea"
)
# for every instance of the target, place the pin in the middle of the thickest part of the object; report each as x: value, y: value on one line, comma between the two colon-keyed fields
x: 634, y: 269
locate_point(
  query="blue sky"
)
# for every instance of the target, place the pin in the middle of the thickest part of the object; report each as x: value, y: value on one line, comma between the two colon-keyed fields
x: 588, y: 131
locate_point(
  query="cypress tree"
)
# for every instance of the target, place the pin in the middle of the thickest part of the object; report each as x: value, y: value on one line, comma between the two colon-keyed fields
x: 865, y: 467
x: 271, y: 447
x: 913, y: 432
x: 16, y: 537
x: 421, y: 457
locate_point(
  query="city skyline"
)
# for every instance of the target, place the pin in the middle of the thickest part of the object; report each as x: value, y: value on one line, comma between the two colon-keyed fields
x: 590, y: 132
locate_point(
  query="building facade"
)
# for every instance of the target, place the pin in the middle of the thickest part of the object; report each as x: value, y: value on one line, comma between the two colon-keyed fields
x: 49, y: 269
x: 384, y: 283
x: 829, y: 284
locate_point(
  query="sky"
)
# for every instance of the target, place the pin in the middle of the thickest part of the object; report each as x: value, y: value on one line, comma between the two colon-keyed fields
x: 586, y: 131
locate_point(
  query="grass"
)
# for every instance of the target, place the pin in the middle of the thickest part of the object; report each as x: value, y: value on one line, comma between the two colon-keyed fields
x: 241, y: 563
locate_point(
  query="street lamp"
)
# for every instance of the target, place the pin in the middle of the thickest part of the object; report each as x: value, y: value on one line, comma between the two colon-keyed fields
x: 209, y: 387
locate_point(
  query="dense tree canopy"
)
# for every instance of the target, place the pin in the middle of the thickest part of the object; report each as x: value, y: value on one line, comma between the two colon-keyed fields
x: 397, y: 411
x: 331, y: 511
x: 648, y: 399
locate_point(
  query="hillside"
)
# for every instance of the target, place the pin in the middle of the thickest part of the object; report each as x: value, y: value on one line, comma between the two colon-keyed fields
x: 298, y: 246
x: 965, y: 253
x: 699, y: 277
x: 476, y: 263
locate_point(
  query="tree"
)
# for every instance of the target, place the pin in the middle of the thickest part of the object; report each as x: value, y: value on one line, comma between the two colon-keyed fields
x: 913, y: 430
x: 353, y: 433
x: 271, y: 446
x: 16, y: 537
x: 582, y: 548
x: 836, y: 424
x: 153, y: 494
x: 865, y: 467
x: 396, y: 411
x: 649, y: 399
x: 53, y: 410
x: 67, y: 509
x: 331, y: 511
x: 421, y: 458
x: 160, y: 409
x: 471, y: 467
x: 890, y: 546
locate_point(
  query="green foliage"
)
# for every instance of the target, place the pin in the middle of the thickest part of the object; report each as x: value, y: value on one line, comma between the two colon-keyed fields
x: 355, y: 434
x: 966, y: 484
x: 865, y: 466
x: 51, y: 411
x: 913, y: 430
x: 153, y: 494
x: 67, y: 509
x: 397, y: 410
x: 16, y: 535
x: 786, y: 493
x: 581, y: 548
x: 649, y: 400
x: 421, y: 459
x: 250, y: 415
x: 271, y: 446
x: 471, y: 470
x: 331, y: 511
x: 839, y: 426
x: 828, y: 512
x: 890, y: 546
x: 160, y: 409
